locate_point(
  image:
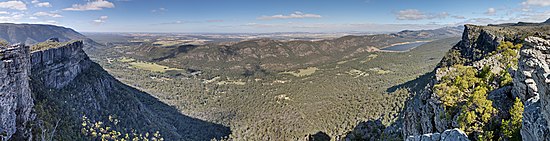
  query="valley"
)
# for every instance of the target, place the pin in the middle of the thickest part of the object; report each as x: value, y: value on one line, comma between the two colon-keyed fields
x: 284, y: 70
x: 274, y: 104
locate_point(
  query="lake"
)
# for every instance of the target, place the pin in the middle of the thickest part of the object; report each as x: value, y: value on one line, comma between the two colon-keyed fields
x: 403, y: 47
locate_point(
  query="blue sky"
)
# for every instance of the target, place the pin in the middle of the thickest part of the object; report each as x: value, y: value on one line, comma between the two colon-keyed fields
x: 248, y: 16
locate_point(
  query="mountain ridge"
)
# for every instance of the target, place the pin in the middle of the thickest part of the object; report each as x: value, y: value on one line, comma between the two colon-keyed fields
x: 34, y: 33
x: 271, y: 55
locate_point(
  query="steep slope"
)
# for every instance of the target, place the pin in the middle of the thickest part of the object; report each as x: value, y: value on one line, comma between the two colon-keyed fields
x: 33, y: 33
x: 15, y: 97
x: 67, y: 85
x: 69, y: 89
x: 471, y: 89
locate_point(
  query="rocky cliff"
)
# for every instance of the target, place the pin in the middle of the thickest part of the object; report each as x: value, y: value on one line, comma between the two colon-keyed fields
x: 68, y: 86
x: 59, y: 66
x: 423, y: 110
x: 531, y: 84
x: 471, y: 89
x: 15, y: 95
x: 62, y: 86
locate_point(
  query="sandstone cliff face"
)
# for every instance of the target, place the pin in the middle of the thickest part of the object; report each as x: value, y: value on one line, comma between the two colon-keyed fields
x: 531, y: 84
x: 67, y: 85
x: 56, y: 67
x: 15, y: 94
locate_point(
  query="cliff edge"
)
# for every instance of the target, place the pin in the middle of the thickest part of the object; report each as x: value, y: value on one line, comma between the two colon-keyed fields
x: 15, y: 94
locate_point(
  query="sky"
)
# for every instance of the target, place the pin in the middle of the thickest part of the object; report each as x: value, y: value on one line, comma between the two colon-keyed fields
x: 266, y: 16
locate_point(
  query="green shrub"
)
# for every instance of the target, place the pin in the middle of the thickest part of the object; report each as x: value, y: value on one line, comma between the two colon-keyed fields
x: 106, y: 132
x: 464, y: 91
x: 506, y: 79
x: 4, y: 43
x: 511, y: 127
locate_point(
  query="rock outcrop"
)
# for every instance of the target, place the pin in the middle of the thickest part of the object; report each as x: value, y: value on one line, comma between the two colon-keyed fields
x: 422, y: 113
x: 15, y: 95
x: 531, y: 84
x: 67, y: 85
x: 56, y: 67
x: 447, y: 135
x: 425, y: 112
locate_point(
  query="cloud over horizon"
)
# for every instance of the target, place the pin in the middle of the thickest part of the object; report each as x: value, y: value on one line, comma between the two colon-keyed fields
x: 15, y: 5
x: 49, y: 14
x: 91, y: 5
x: 295, y: 15
x: 100, y: 20
x: 415, y: 14
x: 536, y: 2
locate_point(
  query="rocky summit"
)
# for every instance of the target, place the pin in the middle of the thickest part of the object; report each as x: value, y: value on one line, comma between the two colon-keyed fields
x: 509, y: 64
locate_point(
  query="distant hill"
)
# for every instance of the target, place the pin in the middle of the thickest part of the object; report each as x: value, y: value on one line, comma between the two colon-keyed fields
x: 34, y: 33
x: 277, y: 55
x: 547, y: 22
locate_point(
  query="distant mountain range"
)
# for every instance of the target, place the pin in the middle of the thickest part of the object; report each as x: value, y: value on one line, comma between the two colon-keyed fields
x: 34, y: 33
x: 276, y: 55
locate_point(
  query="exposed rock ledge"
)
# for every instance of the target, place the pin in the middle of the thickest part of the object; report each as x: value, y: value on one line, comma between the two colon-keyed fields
x: 531, y: 84
x: 15, y: 94
x: 59, y: 66
x: 447, y: 135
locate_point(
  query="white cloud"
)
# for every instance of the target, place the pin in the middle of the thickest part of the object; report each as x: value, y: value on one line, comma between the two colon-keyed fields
x: 13, y: 17
x: 414, y: 14
x: 51, y: 22
x: 35, y: 1
x: 536, y: 2
x: 458, y: 17
x: 33, y: 18
x: 295, y: 15
x: 92, y: 5
x: 491, y: 11
x: 4, y: 12
x: 43, y: 4
x: 16, y: 5
x: 158, y: 10
x: 54, y: 15
x: 101, y: 20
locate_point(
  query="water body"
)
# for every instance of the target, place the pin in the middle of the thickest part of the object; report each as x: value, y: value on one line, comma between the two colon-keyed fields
x: 403, y: 47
